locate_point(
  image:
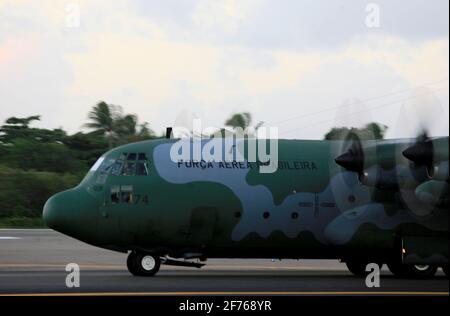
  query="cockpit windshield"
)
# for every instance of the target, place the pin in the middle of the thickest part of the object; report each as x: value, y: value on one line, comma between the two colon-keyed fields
x: 128, y: 164
x: 106, y: 165
x: 97, y: 164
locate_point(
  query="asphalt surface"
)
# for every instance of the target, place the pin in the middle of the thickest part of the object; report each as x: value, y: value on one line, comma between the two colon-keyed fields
x: 33, y: 262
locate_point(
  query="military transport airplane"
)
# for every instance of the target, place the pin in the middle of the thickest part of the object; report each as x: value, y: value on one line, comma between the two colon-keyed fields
x: 383, y: 201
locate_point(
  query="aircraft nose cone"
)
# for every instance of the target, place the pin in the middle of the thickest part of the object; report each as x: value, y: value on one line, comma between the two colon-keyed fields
x: 72, y: 212
x: 50, y: 212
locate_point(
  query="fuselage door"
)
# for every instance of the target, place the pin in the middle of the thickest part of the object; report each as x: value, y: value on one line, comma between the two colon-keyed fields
x: 202, y: 225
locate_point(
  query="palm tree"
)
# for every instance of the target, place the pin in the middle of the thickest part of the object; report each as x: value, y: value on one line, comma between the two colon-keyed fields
x: 126, y: 125
x: 102, y: 120
x: 241, y: 120
x: 127, y: 129
x: 370, y: 131
x: 119, y: 128
x: 145, y: 132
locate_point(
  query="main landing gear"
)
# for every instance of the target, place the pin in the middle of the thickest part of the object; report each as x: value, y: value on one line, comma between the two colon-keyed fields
x: 358, y: 268
x: 412, y: 271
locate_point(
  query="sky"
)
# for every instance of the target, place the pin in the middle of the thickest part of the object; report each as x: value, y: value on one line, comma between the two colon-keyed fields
x: 303, y: 66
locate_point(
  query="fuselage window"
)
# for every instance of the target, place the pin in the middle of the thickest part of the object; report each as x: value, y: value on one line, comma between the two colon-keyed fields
x: 122, y: 194
x: 126, y: 194
x: 115, y: 194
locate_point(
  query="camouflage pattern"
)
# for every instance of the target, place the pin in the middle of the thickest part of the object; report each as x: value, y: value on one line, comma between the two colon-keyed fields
x: 309, y: 208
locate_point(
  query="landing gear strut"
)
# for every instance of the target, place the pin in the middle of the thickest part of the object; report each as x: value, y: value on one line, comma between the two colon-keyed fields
x: 143, y: 264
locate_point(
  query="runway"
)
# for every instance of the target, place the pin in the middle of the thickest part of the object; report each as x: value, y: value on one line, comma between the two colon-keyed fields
x: 32, y: 262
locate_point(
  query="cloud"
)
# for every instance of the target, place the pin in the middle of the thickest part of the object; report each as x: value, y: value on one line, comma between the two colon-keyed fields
x: 216, y: 58
x: 225, y: 15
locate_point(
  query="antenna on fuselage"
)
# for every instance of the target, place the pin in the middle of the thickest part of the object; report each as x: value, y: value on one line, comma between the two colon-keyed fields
x: 169, y: 133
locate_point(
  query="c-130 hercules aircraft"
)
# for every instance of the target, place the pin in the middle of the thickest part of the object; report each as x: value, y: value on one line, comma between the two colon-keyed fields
x: 362, y: 202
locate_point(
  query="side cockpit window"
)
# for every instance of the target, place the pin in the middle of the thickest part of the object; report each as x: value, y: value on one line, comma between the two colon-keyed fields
x: 115, y: 194
x: 122, y: 194
x: 126, y: 194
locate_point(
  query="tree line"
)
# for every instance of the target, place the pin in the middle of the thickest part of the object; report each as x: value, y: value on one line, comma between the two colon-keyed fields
x: 35, y: 163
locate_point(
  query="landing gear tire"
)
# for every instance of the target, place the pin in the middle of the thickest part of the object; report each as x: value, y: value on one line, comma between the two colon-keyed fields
x: 412, y: 271
x: 358, y: 267
x: 143, y: 264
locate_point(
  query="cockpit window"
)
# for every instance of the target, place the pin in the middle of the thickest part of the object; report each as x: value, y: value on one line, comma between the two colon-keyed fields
x: 131, y: 164
x: 128, y: 164
x: 141, y: 169
x: 106, y: 165
x: 116, y: 167
x: 131, y: 156
x: 97, y: 164
x: 128, y: 169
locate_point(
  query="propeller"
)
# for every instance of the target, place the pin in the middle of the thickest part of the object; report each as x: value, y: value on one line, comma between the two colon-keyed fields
x: 433, y: 155
x: 352, y: 118
x: 383, y: 164
x: 422, y: 151
x: 430, y: 153
x: 353, y: 157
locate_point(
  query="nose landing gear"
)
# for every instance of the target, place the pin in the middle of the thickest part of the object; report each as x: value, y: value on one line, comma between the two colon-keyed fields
x: 143, y: 264
x: 147, y: 264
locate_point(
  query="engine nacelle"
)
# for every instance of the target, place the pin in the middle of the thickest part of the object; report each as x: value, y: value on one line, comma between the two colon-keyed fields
x: 379, y: 178
x: 434, y: 193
